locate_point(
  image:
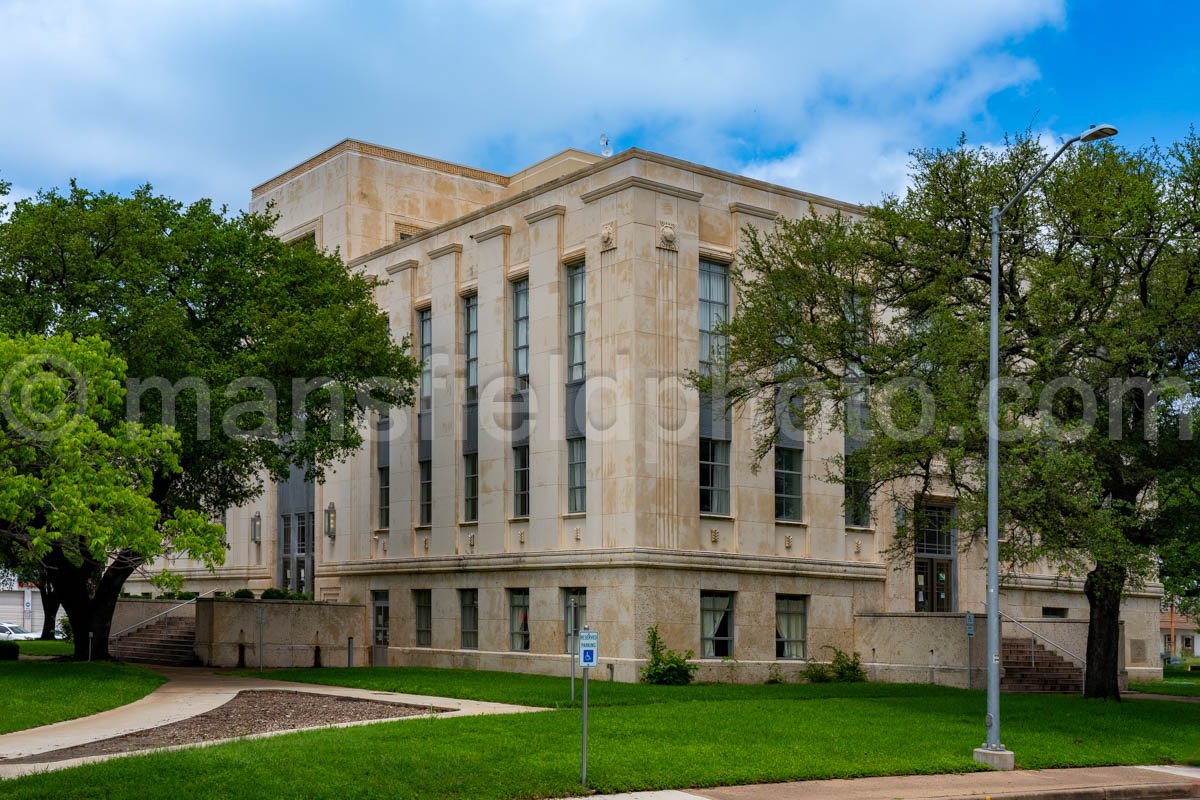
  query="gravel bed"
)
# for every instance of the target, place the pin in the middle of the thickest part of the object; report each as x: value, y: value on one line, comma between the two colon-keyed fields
x: 250, y: 712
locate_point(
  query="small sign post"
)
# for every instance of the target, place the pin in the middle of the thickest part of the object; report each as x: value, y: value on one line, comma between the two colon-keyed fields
x: 589, y: 654
x: 970, y: 649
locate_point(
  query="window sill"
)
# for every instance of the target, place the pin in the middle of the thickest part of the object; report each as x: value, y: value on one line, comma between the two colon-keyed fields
x: 792, y: 523
x: 468, y: 523
x: 518, y: 519
x: 574, y: 515
x: 710, y: 515
x: 860, y: 529
x: 423, y: 528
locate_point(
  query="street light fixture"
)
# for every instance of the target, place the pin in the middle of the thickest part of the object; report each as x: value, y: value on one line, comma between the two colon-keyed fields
x: 993, y: 752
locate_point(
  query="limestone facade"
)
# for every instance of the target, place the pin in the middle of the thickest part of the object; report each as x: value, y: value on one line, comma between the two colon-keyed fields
x: 637, y: 225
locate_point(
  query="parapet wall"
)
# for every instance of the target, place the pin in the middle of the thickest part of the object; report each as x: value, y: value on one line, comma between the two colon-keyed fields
x: 293, y: 634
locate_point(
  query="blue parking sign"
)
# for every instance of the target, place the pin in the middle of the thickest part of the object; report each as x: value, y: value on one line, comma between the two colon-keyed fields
x: 589, y: 648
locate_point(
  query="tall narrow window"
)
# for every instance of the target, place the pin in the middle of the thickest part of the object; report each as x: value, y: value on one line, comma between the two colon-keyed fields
x: 520, y: 293
x: 425, y: 419
x: 468, y: 600
x: 425, y: 332
x: 934, y: 557
x: 714, y: 416
x: 518, y: 619
x: 471, y: 487
x: 521, y: 481
x: 423, y: 602
x: 426, y: 510
x: 576, y: 476
x: 714, y: 310
x: 385, y: 497
x: 790, y: 626
x: 470, y: 441
x: 576, y: 322
x: 788, y: 481
x: 471, y: 348
x: 716, y: 624
x: 714, y: 477
x: 857, y: 479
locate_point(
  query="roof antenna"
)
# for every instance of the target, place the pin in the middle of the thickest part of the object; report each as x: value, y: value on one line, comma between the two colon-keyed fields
x: 605, y: 147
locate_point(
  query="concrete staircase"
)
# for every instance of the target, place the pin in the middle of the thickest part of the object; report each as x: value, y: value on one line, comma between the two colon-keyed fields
x: 1031, y: 667
x: 170, y: 641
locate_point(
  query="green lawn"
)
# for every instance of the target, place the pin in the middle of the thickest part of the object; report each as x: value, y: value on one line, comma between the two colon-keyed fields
x: 38, y: 647
x: 1177, y: 681
x: 41, y: 692
x: 641, y: 737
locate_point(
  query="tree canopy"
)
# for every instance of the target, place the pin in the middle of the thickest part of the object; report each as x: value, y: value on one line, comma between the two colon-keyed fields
x: 260, y: 355
x: 1099, y: 349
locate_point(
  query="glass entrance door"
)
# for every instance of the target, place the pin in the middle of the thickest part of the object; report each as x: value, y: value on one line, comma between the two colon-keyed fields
x: 933, y: 585
x: 380, y: 621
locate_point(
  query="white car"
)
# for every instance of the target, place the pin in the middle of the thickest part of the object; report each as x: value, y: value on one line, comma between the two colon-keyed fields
x: 15, y: 633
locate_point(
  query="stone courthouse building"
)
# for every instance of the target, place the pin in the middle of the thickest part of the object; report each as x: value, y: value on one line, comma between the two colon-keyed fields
x: 557, y: 470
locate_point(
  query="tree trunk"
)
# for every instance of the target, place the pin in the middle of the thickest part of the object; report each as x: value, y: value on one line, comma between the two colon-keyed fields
x: 50, y: 606
x: 89, y: 609
x: 1103, y: 588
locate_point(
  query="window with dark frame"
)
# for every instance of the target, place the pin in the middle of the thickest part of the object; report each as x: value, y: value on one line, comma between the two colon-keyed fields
x: 576, y: 322
x: 423, y: 603
x: 789, y: 482
x: 520, y: 308
x: 716, y: 624
x: 518, y: 620
x: 471, y: 487
x: 791, y: 626
x: 385, y: 497
x: 468, y: 600
x: 521, y: 481
x: 426, y: 496
x: 470, y: 308
x: 576, y: 476
x: 714, y: 477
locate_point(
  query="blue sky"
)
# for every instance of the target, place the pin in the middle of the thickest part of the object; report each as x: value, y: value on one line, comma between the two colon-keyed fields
x: 209, y: 99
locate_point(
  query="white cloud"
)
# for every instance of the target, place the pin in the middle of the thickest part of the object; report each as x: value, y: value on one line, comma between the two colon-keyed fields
x: 212, y: 98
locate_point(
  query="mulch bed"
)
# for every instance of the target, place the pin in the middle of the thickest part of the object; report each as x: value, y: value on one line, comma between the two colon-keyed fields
x: 250, y: 712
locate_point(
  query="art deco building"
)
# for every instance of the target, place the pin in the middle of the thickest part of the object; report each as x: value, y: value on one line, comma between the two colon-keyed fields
x: 557, y: 469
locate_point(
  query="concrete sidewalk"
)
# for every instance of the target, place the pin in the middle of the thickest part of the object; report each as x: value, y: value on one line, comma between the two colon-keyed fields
x: 1095, y: 783
x: 189, y: 692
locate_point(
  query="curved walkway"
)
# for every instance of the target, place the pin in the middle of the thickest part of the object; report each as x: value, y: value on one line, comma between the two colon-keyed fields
x: 189, y: 692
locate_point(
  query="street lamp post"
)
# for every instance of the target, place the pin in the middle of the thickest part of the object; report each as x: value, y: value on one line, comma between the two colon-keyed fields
x: 993, y: 752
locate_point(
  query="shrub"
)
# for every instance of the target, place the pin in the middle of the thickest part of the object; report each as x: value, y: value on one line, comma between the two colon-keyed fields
x: 666, y: 667
x: 9, y: 651
x: 275, y: 594
x: 243, y: 594
x: 816, y: 672
x: 846, y: 668
x: 64, y: 625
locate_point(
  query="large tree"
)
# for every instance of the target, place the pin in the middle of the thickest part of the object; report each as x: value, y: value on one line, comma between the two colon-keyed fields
x: 1099, y: 344
x: 262, y: 355
x: 78, y: 477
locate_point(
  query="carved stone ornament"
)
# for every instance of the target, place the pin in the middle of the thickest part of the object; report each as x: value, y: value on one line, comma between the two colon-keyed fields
x: 714, y: 535
x: 608, y: 236
x: 787, y: 541
x: 666, y: 235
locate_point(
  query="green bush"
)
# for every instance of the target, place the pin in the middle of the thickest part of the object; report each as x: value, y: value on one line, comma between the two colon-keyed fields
x: 666, y: 667
x: 9, y: 651
x: 243, y: 594
x: 816, y: 672
x: 64, y: 625
x: 275, y: 594
x: 846, y: 668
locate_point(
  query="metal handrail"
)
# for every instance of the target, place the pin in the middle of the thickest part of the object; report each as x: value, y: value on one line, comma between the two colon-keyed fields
x: 148, y: 620
x: 1044, y: 638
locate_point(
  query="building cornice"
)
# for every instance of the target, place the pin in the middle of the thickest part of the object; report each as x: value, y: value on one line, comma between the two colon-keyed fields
x: 621, y: 558
x: 546, y: 213
x: 445, y: 250
x: 620, y: 158
x: 753, y: 211
x: 410, y: 263
x: 377, y: 151
x: 638, y: 182
x: 492, y: 233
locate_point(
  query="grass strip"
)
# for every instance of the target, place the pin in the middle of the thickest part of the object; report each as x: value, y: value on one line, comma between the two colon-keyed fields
x: 42, y: 692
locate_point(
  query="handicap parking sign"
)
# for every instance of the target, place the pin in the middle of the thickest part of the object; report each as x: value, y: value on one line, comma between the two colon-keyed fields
x: 589, y: 648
